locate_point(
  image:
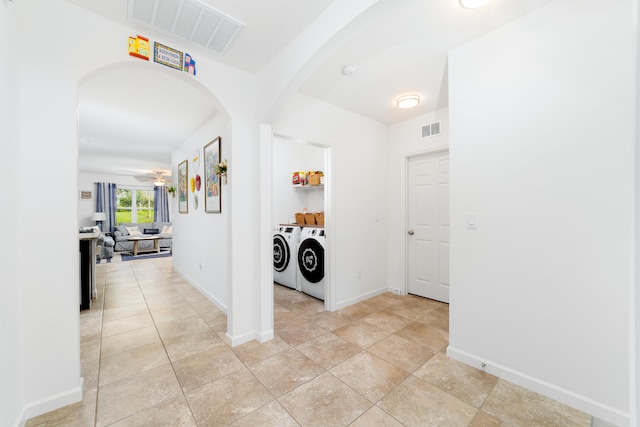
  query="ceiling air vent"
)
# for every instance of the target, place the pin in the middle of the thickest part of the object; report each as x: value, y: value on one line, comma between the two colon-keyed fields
x: 431, y: 130
x: 187, y: 20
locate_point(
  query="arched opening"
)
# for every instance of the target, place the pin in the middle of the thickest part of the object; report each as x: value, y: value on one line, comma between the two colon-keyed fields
x: 135, y: 118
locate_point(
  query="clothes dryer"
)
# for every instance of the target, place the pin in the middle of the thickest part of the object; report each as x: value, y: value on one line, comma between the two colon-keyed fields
x: 285, y: 255
x: 311, y: 262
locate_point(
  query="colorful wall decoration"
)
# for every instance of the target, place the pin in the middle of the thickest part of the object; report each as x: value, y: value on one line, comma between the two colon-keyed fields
x: 189, y: 64
x: 165, y: 55
x: 183, y: 191
x: 139, y: 47
x: 212, y: 198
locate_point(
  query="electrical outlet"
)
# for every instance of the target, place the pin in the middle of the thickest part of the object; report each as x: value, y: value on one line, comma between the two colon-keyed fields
x: 483, y: 366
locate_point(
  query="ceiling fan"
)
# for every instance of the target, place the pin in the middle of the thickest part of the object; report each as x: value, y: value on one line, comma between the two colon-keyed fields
x: 158, y: 177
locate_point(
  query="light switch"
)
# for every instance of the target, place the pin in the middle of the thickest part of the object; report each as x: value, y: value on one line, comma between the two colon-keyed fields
x: 471, y: 220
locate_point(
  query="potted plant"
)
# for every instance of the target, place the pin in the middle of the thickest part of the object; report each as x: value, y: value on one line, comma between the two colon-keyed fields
x: 172, y: 190
x: 221, y: 171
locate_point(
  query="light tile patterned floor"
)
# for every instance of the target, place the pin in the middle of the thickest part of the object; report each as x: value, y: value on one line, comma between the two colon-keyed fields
x: 153, y: 355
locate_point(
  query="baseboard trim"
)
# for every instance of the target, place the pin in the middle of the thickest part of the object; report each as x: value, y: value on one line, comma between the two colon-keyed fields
x: 266, y: 336
x: 196, y: 285
x: 360, y: 298
x: 242, y: 339
x: 582, y: 403
x: 50, y: 403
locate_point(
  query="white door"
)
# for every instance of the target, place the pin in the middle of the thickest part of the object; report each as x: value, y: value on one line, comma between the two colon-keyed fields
x: 428, y: 226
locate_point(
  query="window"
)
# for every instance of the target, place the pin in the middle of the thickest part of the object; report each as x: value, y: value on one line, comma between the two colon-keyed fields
x: 134, y: 205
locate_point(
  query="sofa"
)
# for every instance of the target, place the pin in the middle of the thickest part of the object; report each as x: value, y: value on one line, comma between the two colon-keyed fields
x: 106, y: 244
x: 123, y: 231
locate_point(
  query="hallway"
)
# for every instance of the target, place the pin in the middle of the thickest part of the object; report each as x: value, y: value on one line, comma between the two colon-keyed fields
x: 153, y: 354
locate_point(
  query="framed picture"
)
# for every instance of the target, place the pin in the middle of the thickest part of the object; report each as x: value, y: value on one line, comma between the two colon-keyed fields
x: 183, y: 187
x: 212, y: 187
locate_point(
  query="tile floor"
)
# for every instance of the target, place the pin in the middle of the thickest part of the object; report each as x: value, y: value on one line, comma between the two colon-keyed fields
x: 153, y: 354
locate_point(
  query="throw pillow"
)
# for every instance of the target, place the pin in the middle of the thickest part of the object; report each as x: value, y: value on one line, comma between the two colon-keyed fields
x: 122, y: 229
x: 167, y: 229
x: 133, y: 231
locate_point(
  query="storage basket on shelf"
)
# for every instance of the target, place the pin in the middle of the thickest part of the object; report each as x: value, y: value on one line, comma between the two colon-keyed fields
x: 314, y: 179
x: 309, y: 219
x: 299, y: 218
x: 319, y: 218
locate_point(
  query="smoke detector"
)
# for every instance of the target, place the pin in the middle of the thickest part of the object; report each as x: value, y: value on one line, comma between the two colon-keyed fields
x: 349, y: 69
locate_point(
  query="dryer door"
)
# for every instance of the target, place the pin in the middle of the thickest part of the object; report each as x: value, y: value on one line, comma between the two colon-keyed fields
x: 281, y: 253
x: 311, y: 260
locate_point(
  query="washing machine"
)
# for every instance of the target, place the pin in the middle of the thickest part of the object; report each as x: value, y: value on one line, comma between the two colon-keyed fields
x: 311, y: 262
x: 285, y: 254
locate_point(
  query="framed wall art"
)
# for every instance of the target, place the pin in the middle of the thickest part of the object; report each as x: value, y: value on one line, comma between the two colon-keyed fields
x: 183, y: 187
x: 212, y: 187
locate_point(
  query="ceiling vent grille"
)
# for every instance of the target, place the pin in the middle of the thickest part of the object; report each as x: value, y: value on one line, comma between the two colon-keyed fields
x: 187, y: 20
x: 432, y: 129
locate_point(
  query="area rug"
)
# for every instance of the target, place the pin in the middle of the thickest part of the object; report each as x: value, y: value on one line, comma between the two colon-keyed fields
x: 130, y: 257
x: 126, y: 256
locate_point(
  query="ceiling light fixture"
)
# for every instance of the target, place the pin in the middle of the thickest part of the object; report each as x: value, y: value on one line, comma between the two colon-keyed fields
x: 472, y: 4
x: 408, y: 101
x: 159, y: 182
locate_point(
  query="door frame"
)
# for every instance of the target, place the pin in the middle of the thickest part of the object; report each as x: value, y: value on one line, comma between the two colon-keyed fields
x: 405, y: 209
x: 266, y: 166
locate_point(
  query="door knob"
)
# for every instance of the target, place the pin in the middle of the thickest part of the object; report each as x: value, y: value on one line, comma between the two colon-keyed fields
x: 410, y: 232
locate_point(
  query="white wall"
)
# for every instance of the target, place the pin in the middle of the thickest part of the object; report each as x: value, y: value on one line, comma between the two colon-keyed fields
x: 634, y: 294
x: 542, y: 123
x: 356, y: 188
x: 201, y: 240
x: 48, y: 149
x: 289, y: 156
x: 48, y: 84
x: 11, y: 324
x: 405, y: 141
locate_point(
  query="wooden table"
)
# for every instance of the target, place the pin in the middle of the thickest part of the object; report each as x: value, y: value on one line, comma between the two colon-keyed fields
x: 137, y: 239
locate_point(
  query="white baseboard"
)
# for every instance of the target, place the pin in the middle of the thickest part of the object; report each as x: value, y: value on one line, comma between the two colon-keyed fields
x: 235, y: 340
x: 50, y: 403
x: 241, y: 339
x: 266, y: 336
x: 360, y: 298
x: 196, y: 285
x: 582, y: 403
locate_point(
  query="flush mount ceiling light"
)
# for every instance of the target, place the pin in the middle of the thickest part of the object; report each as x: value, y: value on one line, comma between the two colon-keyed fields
x: 472, y: 4
x: 159, y: 182
x: 408, y: 101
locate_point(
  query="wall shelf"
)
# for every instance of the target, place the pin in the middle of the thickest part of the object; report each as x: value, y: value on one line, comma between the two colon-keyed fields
x: 308, y: 187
